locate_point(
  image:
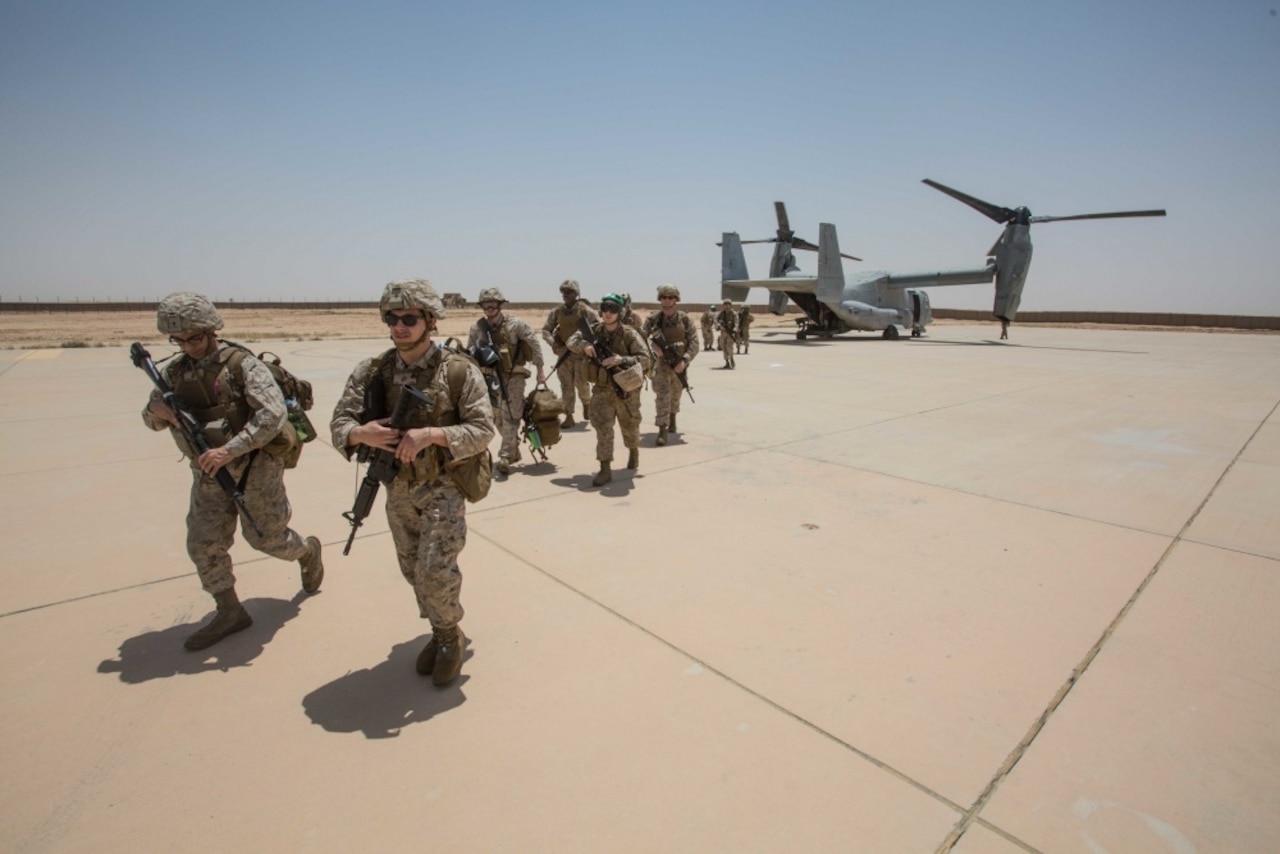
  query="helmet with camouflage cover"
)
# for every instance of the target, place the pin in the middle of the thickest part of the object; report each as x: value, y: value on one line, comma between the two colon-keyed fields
x: 491, y: 295
x: 571, y: 286
x: 411, y: 293
x: 668, y: 291
x: 187, y: 312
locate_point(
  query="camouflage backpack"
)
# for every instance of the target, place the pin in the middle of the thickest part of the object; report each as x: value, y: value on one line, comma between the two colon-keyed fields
x: 298, y: 429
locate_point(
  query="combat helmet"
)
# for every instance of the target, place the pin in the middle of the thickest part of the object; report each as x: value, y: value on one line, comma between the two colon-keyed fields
x: 616, y: 299
x: 491, y: 295
x: 411, y: 293
x: 571, y: 286
x: 668, y: 291
x: 186, y: 311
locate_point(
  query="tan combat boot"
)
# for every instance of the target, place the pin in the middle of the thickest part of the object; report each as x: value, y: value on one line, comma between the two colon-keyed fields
x: 426, y: 662
x: 448, y: 664
x: 603, y: 476
x: 312, y: 566
x: 633, y: 459
x: 503, y: 466
x: 672, y: 426
x: 662, y: 436
x: 568, y: 421
x: 230, y: 618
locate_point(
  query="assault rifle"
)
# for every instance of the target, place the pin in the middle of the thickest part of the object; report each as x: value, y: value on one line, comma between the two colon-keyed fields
x: 602, y: 352
x: 494, y: 360
x: 383, y: 465
x: 672, y: 358
x: 190, y: 428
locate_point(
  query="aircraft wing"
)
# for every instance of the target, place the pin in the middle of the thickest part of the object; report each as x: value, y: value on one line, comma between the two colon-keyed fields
x: 797, y: 285
x: 941, y: 278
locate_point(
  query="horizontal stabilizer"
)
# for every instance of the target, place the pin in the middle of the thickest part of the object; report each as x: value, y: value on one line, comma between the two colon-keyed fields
x: 797, y: 285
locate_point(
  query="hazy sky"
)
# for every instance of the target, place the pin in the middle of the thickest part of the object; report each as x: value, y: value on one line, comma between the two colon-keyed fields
x: 316, y: 150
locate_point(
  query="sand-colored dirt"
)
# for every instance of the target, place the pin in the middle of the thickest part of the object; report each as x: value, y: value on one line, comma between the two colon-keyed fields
x: 120, y: 328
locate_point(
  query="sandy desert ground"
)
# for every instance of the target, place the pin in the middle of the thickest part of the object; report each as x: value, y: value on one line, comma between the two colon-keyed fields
x: 120, y: 328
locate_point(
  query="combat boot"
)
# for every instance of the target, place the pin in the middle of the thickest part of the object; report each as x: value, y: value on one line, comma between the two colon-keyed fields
x: 662, y: 436
x: 448, y: 664
x: 672, y: 426
x: 427, y: 658
x: 586, y: 410
x: 230, y: 618
x: 633, y: 459
x: 503, y: 466
x: 604, y: 475
x: 568, y: 421
x: 312, y: 566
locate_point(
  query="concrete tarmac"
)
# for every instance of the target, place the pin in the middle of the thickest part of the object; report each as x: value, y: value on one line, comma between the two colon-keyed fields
x: 929, y: 595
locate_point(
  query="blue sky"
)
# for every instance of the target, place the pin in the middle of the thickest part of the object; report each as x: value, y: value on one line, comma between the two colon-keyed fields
x: 316, y: 150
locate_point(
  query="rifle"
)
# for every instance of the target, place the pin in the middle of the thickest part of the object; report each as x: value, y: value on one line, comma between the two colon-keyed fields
x: 495, y: 361
x: 383, y: 465
x: 672, y: 358
x: 602, y: 352
x: 190, y: 428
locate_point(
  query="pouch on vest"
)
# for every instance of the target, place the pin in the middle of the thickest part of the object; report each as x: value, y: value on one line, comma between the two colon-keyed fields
x: 472, y: 475
x: 630, y: 379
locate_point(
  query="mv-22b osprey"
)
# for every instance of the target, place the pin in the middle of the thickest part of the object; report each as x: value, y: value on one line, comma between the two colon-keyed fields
x: 878, y: 300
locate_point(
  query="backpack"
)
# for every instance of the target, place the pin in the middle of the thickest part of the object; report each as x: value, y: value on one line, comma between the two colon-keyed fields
x: 297, y: 429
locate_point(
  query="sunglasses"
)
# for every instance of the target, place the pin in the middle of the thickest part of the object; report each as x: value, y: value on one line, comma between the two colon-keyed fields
x: 490, y: 305
x: 188, y: 340
x: 610, y: 308
x: 409, y: 320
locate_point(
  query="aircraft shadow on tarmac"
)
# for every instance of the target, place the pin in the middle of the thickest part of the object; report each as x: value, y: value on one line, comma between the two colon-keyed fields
x: 383, y: 699
x: 159, y: 655
x: 943, y: 342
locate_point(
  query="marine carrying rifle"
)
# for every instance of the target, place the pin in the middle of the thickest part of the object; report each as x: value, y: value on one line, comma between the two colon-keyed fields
x: 672, y: 358
x: 602, y: 352
x: 383, y: 465
x: 190, y: 428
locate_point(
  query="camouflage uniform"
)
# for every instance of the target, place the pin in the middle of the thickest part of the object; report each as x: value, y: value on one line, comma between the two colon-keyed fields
x: 517, y: 344
x: 561, y: 324
x: 682, y: 335
x: 744, y: 329
x: 212, y: 515
x: 606, y: 404
x: 726, y: 322
x: 425, y: 510
x: 709, y: 329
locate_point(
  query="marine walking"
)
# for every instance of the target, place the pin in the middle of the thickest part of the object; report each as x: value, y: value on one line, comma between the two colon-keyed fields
x: 675, y: 341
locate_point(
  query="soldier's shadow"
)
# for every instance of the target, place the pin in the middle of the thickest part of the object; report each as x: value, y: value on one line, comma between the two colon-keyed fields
x: 620, y: 485
x: 160, y: 654
x: 385, y: 698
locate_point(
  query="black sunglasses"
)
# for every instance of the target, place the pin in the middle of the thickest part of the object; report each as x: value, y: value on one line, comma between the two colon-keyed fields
x: 409, y: 320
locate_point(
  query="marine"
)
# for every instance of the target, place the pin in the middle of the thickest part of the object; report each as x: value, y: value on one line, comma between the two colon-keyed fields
x: 675, y: 329
x: 426, y: 507
x: 243, y: 415
x: 561, y: 324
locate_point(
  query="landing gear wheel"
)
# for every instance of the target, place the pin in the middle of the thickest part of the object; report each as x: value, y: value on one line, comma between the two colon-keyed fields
x: 891, y: 333
x: 801, y: 334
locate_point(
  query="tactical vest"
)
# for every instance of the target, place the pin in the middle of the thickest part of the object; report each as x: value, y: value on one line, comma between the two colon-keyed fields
x: 673, y: 330
x: 616, y: 342
x: 436, y: 412
x: 214, y: 391
x: 510, y: 349
x: 567, y: 321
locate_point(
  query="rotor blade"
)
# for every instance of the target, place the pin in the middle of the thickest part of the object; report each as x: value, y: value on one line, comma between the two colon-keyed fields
x: 1114, y: 215
x: 768, y: 240
x: 801, y: 243
x: 995, y: 212
x: 781, y: 210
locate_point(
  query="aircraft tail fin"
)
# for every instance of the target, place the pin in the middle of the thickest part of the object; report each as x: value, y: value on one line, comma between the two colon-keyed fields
x: 830, y: 269
x: 733, y: 267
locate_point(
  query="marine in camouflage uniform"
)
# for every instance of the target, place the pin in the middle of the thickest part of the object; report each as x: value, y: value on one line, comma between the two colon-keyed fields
x: 709, y: 329
x: 676, y: 329
x: 629, y: 351
x: 242, y: 414
x: 516, y: 345
x: 561, y: 324
x: 727, y: 323
x: 744, y: 329
x: 426, y: 511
